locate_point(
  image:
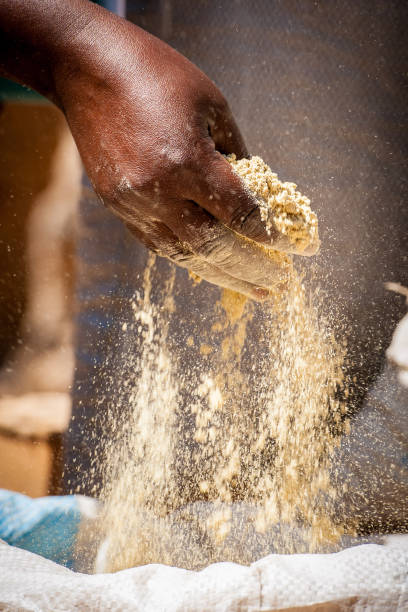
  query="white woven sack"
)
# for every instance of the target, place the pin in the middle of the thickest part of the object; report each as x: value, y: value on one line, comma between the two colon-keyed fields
x: 369, y: 577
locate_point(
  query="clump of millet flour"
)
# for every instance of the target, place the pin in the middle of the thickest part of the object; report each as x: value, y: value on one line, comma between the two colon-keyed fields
x: 255, y: 444
x: 281, y: 205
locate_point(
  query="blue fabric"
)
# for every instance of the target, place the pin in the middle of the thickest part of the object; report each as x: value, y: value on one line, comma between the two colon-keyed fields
x: 46, y: 526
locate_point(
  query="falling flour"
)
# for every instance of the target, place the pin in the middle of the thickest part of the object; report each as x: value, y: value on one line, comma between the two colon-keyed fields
x: 260, y: 440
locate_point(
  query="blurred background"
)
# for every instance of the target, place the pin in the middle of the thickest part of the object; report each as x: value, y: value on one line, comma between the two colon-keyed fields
x: 39, y: 193
x: 319, y: 91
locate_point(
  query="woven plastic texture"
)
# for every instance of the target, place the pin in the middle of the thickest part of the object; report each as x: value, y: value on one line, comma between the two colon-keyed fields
x: 368, y: 577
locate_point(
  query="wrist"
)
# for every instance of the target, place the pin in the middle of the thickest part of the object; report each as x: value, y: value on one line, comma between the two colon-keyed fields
x: 45, y: 41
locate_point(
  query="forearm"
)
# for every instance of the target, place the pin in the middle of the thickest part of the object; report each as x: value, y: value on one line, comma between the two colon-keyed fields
x: 37, y: 37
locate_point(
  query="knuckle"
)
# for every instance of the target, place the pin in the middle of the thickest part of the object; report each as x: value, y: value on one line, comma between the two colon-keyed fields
x: 138, y: 183
x: 174, y: 156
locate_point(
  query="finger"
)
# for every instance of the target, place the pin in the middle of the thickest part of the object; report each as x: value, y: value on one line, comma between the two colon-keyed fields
x: 222, y: 193
x: 218, y: 277
x: 162, y: 241
x: 226, y: 250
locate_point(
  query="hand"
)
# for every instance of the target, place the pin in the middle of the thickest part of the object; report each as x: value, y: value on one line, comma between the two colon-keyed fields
x: 151, y: 129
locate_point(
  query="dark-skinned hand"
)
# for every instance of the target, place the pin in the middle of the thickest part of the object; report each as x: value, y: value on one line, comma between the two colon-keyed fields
x: 151, y: 129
